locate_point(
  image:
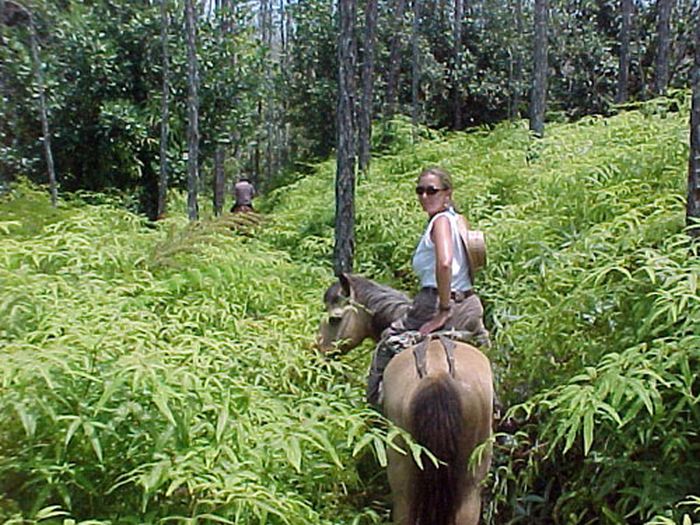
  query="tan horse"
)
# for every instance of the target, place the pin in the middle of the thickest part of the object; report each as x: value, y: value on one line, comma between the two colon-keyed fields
x: 446, y: 409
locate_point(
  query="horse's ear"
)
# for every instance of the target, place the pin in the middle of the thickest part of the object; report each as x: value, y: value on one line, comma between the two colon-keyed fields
x: 346, y: 284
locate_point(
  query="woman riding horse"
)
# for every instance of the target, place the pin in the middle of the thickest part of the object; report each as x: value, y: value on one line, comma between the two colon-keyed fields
x: 446, y: 298
x: 440, y: 392
x: 445, y: 405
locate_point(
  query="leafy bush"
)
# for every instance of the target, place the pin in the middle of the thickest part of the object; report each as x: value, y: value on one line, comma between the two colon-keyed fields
x: 164, y: 373
x: 591, y: 293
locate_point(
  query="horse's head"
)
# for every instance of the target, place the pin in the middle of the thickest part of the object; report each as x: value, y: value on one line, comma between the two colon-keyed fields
x: 348, y: 321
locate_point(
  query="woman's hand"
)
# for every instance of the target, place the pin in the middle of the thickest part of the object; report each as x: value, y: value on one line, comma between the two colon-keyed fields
x: 437, y: 322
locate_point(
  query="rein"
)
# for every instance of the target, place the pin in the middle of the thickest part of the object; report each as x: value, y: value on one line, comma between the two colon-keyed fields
x: 360, y: 306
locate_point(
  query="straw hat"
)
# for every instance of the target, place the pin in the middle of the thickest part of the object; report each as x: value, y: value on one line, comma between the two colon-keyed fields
x: 474, y: 244
x: 476, y: 249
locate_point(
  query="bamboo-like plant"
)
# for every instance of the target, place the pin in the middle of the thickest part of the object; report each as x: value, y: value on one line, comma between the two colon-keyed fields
x: 158, y: 374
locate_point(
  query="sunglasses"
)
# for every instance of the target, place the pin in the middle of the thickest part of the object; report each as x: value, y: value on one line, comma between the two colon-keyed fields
x: 428, y: 190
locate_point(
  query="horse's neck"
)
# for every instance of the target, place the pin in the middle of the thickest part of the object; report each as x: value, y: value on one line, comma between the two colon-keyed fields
x: 385, y: 304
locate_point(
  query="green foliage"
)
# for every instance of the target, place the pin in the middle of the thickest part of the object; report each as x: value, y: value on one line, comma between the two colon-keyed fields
x: 165, y: 373
x: 103, y: 63
x: 591, y: 292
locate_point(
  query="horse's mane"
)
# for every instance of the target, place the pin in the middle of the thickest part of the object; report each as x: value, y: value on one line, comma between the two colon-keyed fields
x: 386, y: 303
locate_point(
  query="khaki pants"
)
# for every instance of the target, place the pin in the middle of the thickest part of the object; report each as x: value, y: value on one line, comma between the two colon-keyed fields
x: 466, y: 315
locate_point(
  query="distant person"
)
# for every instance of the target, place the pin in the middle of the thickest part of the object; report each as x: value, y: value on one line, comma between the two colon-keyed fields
x: 244, y: 192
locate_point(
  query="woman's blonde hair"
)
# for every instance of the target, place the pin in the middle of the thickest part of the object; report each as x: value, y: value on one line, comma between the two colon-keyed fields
x: 442, y: 174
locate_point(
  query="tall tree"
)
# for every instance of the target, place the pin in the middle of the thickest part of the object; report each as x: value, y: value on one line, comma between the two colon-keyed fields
x: 516, y: 56
x: 663, y: 45
x: 693, y: 203
x: 39, y: 75
x: 623, y: 75
x: 192, y: 112
x: 284, y: 70
x: 22, y: 15
x: 365, y: 108
x: 415, y: 64
x: 164, y: 110
x: 457, y: 64
x: 539, y: 81
x: 268, y: 102
x: 344, y: 250
x: 219, y: 178
x: 392, y: 80
x: 4, y: 177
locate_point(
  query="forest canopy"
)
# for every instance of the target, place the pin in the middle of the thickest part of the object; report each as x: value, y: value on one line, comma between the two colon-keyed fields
x: 267, y: 77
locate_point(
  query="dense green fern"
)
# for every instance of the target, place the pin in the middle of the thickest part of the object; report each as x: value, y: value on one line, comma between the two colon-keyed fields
x: 154, y: 373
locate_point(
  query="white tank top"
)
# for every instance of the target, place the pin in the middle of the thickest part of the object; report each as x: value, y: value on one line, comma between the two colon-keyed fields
x: 424, y: 256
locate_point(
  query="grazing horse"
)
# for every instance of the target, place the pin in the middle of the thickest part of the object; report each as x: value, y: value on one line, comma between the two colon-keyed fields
x: 444, y: 399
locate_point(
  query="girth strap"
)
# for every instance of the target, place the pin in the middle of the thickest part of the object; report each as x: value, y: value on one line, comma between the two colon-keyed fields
x: 420, y: 350
x: 449, y: 346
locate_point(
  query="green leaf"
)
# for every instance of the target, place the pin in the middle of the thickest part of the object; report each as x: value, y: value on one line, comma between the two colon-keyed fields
x: 92, y: 436
x: 293, y: 450
x: 160, y: 399
x: 588, y: 425
x: 222, y: 421
x: 380, y: 450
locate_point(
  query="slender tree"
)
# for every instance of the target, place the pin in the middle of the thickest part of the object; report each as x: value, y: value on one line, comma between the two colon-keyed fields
x: 623, y: 75
x: 457, y: 64
x: 192, y: 112
x: 663, y: 45
x: 284, y: 70
x: 640, y: 34
x: 164, y: 110
x: 693, y: 203
x: 415, y: 64
x: 26, y: 15
x: 539, y: 84
x: 517, y: 62
x: 344, y: 249
x: 269, y: 102
x: 4, y: 177
x: 365, y: 108
x: 219, y: 178
x: 392, y: 80
x: 39, y: 75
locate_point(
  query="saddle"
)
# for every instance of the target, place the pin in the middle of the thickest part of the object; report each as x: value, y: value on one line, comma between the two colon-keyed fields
x: 419, y: 345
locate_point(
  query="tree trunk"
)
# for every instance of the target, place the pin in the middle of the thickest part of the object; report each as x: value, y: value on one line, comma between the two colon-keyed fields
x: 518, y: 64
x: 284, y: 69
x: 344, y: 249
x: 4, y: 175
x: 164, y: 111
x: 192, y: 112
x: 623, y: 78
x: 663, y: 45
x: 539, y: 84
x: 256, y: 150
x: 416, y: 71
x: 693, y: 204
x: 219, y: 179
x: 283, y: 29
x: 269, y: 111
x: 39, y: 74
x: 457, y: 65
x: 392, y: 80
x: 643, y: 84
x: 365, y: 110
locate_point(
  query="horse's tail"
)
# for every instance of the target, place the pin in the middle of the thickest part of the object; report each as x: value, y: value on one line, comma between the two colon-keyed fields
x: 437, y: 424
